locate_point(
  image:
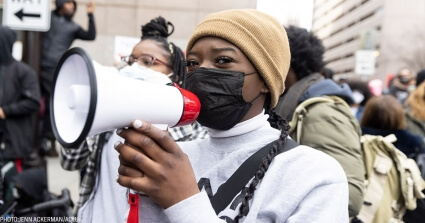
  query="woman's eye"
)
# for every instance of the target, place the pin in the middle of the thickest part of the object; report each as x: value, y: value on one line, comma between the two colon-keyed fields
x: 146, y: 62
x: 191, y: 63
x: 222, y: 60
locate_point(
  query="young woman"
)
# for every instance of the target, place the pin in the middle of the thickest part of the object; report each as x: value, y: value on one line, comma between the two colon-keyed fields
x: 156, y: 52
x: 237, y: 62
x: 415, y: 107
x: 96, y: 157
x: 384, y: 115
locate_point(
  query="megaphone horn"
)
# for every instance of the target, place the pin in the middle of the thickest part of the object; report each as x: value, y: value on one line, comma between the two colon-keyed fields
x: 88, y: 99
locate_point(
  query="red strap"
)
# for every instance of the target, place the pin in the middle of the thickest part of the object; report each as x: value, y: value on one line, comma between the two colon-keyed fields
x: 133, y: 215
x: 18, y: 164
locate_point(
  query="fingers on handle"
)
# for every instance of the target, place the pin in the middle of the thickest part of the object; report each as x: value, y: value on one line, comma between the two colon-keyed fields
x: 143, y: 143
x: 137, y: 184
x: 161, y: 137
x: 136, y: 159
x: 129, y: 171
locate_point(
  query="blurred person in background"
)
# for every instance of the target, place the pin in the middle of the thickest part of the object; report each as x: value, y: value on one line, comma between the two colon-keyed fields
x: 420, y: 77
x: 415, y: 121
x: 361, y: 94
x: 54, y: 43
x: 376, y: 86
x: 383, y: 115
x: 415, y: 107
x: 402, y: 84
x: 342, y: 79
x: 19, y: 102
x: 342, y: 139
x: 327, y: 73
x: 153, y: 59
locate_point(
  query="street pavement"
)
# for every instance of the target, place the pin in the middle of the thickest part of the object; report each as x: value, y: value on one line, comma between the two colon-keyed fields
x: 59, y: 178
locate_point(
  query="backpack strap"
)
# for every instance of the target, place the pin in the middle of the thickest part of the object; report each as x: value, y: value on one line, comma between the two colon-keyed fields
x: 376, y: 182
x: 240, y: 178
x: 301, y: 112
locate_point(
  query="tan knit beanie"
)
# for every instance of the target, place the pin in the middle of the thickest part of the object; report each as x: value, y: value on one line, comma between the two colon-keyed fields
x: 259, y: 36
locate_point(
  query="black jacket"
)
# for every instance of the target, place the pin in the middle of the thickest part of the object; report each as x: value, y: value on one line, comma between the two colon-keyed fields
x: 55, y: 42
x: 20, y: 102
x: 63, y: 31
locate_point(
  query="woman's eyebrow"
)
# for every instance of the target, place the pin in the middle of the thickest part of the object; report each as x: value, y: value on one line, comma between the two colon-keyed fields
x: 216, y: 50
x: 146, y: 54
x: 191, y: 53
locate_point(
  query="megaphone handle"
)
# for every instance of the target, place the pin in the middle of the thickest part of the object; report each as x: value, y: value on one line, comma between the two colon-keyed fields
x: 161, y: 126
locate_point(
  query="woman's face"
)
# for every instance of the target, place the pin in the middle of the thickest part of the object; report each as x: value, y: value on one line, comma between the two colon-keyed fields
x: 150, y: 54
x: 212, y: 52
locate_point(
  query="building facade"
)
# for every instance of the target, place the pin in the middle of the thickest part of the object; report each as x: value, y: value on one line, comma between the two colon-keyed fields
x: 390, y: 30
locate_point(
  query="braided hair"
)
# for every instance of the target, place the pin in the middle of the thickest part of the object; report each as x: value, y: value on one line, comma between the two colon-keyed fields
x: 276, y: 122
x: 157, y: 30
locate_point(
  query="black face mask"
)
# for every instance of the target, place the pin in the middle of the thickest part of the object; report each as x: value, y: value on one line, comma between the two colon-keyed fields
x: 220, y: 93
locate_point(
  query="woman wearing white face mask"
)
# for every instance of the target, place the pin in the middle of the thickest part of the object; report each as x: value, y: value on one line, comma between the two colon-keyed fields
x: 153, y: 59
x: 155, y: 53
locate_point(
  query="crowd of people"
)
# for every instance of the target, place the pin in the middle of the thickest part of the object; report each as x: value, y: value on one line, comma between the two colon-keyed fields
x: 26, y: 136
x: 251, y: 75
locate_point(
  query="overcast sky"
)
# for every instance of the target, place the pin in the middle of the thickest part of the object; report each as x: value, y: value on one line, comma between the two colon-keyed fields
x: 282, y: 9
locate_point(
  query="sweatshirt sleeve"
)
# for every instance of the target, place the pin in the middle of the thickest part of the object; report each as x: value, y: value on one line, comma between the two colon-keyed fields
x: 90, y: 34
x: 193, y: 209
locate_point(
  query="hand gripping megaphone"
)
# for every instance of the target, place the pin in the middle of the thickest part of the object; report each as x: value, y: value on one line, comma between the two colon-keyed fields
x: 88, y: 99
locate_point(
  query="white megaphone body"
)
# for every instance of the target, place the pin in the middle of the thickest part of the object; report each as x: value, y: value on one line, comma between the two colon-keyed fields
x: 88, y: 99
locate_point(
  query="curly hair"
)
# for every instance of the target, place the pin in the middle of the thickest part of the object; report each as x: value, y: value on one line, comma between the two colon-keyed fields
x: 276, y: 122
x: 306, y: 51
x: 157, y: 30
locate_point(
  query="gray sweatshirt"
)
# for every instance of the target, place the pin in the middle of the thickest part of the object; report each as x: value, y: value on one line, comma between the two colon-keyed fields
x: 301, y: 185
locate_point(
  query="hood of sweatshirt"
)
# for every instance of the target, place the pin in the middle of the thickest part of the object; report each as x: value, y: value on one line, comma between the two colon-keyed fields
x: 59, y: 4
x: 328, y: 87
x: 7, y: 38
